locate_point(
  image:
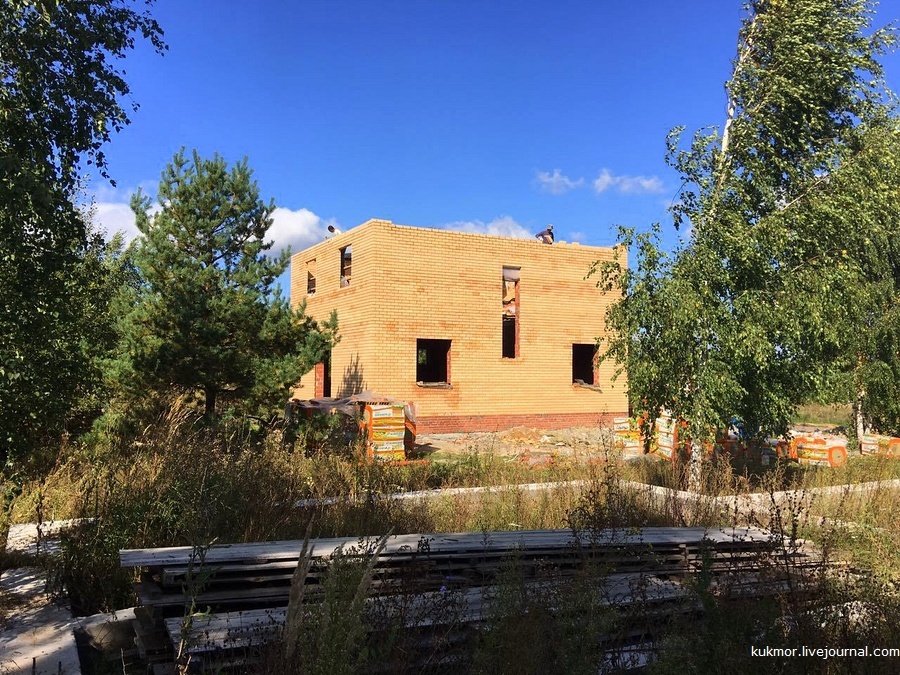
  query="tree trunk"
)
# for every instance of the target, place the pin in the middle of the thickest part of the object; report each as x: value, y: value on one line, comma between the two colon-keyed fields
x: 858, y: 413
x: 858, y: 419
x: 695, y: 466
x: 210, y: 394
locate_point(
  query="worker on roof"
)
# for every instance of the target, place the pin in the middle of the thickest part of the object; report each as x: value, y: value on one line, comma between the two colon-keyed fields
x: 546, y: 236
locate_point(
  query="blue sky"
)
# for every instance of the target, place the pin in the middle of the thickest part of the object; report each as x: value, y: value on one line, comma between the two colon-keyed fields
x: 490, y: 116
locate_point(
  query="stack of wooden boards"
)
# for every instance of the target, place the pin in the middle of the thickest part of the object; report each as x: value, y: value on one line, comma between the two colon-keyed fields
x: 243, y: 589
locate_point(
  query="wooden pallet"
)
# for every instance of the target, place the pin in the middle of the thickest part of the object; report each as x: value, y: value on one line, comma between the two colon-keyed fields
x: 243, y: 589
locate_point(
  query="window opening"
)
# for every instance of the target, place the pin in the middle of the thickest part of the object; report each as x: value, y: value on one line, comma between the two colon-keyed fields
x: 584, y: 364
x: 510, y: 335
x: 346, y: 264
x: 311, y: 277
x: 433, y: 361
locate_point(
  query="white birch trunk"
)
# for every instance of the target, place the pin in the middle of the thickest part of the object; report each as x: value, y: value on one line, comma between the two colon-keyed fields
x: 695, y: 466
x: 858, y: 413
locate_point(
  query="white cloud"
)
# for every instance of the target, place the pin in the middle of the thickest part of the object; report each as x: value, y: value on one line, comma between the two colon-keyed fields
x: 604, y: 181
x: 115, y: 217
x: 556, y: 183
x: 298, y: 229
x: 504, y: 226
x: 640, y: 184
x: 627, y: 184
x: 110, y: 208
x: 577, y: 236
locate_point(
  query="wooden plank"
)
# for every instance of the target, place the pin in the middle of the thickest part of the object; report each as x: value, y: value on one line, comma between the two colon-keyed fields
x: 241, y: 590
x: 229, y: 596
x: 464, y: 571
x: 423, y: 564
x: 470, y: 541
x: 234, y: 630
x: 252, y: 628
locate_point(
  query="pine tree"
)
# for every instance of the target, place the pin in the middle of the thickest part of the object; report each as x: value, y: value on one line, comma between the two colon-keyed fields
x: 206, y: 317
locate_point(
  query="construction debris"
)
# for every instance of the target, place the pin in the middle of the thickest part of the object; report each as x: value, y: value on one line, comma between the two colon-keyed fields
x: 245, y: 588
x: 669, y: 440
x: 387, y: 425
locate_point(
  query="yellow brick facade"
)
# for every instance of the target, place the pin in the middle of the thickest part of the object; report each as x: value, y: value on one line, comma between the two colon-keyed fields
x: 410, y: 283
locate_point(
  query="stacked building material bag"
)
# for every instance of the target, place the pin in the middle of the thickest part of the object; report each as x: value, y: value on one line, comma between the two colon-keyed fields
x: 817, y: 449
x: 385, y: 424
x: 666, y: 432
x: 874, y: 444
x: 627, y: 436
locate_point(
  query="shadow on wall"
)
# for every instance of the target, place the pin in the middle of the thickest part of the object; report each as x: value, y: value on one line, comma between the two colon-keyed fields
x: 353, y: 382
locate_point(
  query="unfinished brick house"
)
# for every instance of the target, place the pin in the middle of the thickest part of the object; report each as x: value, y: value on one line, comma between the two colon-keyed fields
x: 481, y: 332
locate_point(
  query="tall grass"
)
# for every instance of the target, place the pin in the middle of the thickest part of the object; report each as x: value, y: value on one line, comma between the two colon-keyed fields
x: 816, y: 413
x: 177, y: 484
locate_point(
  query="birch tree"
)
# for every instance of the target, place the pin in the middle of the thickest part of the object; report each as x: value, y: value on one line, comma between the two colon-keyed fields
x: 61, y: 90
x: 749, y: 316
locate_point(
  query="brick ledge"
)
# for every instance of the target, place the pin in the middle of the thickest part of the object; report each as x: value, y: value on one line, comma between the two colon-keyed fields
x: 445, y: 424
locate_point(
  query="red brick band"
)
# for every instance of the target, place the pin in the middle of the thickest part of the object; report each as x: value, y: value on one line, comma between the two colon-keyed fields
x: 445, y: 424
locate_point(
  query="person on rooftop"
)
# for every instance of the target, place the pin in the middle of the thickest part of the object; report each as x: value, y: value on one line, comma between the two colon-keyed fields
x: 545, y: 236
x: 332, y: 232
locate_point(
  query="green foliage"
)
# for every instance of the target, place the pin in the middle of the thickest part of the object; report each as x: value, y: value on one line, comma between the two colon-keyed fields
x: 205, y: 317
x: 61, y: 89
x: 860, y: 200
x: 59, y: 95
x: 55, y: 385
x: 749, y: 317
x: 332, y: 638
x: 336, y: 434
x: 555, y: 626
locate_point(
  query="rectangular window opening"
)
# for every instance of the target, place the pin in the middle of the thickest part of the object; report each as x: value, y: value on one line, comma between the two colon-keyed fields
x: 346, y: 265
x: 433, y: 361
x: 311, y: 277
x: 584, y: 364
x: 510, y: 335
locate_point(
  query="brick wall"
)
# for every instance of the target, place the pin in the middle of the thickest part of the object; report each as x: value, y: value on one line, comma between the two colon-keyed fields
x: 413, y: 283
x: 468, y: 423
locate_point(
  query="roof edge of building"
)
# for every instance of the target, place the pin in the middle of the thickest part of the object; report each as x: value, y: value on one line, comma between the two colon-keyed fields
x: 383, y: 222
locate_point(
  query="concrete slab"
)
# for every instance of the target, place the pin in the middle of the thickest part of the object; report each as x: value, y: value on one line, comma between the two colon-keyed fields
x: 38, y: 637
x: 34, y: 538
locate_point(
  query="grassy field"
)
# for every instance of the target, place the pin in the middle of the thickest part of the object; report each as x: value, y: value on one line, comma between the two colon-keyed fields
x: 215, y: 490
x: 832, y: 415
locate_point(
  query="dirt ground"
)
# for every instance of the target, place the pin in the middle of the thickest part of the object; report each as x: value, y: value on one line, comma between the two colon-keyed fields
x: 537, y: 445
x: 521, y: 442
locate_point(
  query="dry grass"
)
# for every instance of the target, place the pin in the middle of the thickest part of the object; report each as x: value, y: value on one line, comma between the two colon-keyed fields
x: 816, y: 413
x: 212, y: 488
